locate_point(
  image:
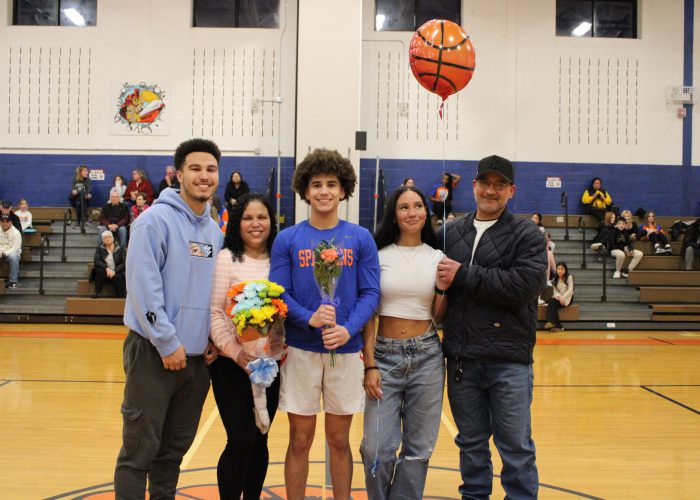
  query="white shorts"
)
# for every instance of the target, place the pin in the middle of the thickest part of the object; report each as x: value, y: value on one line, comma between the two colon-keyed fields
x: 307, y: 375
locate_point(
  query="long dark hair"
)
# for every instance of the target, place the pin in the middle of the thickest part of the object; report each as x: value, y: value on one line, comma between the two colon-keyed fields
x: 591, y: 190
x: 233, y: 240
x: 450, y: 182
x: 388, y: 231
x: 566, y: 273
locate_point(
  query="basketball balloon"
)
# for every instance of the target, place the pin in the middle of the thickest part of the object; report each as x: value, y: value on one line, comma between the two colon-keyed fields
x: 442, y: 57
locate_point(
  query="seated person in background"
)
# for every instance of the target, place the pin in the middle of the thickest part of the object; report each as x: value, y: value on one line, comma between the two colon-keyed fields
x: 119, y: 186
x: 691, y: 244
x: 10, y: 248
x: 651, y: 231
x: 442, y: 196
x: 139, y: 184
x: 114, y: 217
x: 596, y: 200
x: 25, y: 217
x: 536, y: 217
x: 631, y: 226
x: 80, y: 194
x: 110, y: 264
x: 139, y: 207
x: 563, y: 295
x: 621, y: 248
x: 6, y: 209
x: 602, y: 237
x: 409, y: 181
x: 169, y: 181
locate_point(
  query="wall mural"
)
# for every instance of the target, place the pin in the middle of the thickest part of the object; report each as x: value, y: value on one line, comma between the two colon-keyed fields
x: 141, y: 109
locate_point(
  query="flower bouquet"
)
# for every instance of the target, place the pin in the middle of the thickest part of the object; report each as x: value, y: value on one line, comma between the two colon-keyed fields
x: 257, y: 312
x: 328, y: 257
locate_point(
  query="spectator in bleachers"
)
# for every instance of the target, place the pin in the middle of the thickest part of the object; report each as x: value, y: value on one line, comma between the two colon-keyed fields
x: 442, y: 196
x: 169, y: 181
x: 235, y: 188
x: 621, y: 248
x: 691, y: 244
x: 631, y: 226
x: 114, y: 217
x: 596, y: 200
x: 139, y: 207
x: 81, y: 193
x: 409, y: 181
x: 602, y: 237
x: 119, y: 186
x: 563, y: 295
x: 139, y: 184
x: 6, y: 209
x: 110, y: 265
x: 651, y: 231
x: 25, y: 217
x: 536, y: 217
x: 10, y: 248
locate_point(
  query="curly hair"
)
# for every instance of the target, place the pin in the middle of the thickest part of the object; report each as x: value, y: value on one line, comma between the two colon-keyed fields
x: 195, y: 146
x: 324, y: 161
x: 388, y: 231
x: 233, y: 240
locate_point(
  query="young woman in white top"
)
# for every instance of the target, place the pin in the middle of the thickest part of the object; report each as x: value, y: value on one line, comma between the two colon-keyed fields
x: 404, y: 364
x: 562, y: 297
x: 246, y: 256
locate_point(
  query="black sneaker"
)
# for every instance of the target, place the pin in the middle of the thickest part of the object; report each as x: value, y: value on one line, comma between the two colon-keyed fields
x: 11, y: 284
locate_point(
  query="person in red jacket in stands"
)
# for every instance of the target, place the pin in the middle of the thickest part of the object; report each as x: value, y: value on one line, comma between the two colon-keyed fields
x: 139, y: 184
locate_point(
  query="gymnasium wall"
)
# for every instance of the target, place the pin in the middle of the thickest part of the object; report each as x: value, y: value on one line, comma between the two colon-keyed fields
x: 558, y: 107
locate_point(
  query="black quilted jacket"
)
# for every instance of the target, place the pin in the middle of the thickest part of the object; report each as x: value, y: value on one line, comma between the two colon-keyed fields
x: 492, y: 308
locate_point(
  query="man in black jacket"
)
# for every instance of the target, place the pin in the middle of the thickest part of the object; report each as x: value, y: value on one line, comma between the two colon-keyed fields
x: 114, y: 217
x: 496, y: 264
x: 6, y: 209
x: 691, y: 244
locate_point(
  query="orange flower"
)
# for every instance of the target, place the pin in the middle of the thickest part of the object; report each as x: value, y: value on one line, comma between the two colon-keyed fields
x: 281, y: 307
x: 329, y: 255
x: 236, y: 289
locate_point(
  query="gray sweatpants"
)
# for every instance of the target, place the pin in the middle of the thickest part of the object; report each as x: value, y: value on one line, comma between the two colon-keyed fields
x: 161, y: 411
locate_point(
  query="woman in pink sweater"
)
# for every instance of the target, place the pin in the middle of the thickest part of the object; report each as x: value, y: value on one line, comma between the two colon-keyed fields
x: 246, y: 256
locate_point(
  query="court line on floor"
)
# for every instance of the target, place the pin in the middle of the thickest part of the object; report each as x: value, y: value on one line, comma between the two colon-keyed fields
x: 5, y: 382
x: 670, y: 399
x: 65, y: 335
x: 199, y: 438
x: 67, y: 381
x: 662, y: 340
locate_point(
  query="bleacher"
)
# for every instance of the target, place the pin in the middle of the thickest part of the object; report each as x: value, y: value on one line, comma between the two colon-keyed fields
x: 659, y: 293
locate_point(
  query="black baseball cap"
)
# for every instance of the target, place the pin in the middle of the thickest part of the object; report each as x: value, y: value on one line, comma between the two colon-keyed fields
x: 5, y: 217
x: 6, y: 204
x: 497, y: 165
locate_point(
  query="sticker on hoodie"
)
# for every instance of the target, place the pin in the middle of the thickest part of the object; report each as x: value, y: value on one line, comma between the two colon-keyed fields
x: 199, y: 249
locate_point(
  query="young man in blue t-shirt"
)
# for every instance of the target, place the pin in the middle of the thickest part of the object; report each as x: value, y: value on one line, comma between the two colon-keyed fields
x: 323, y: 180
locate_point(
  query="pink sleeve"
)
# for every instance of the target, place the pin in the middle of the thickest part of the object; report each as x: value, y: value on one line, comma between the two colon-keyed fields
x: 223, y: 331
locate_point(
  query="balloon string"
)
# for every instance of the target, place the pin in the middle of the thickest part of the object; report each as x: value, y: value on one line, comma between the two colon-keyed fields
x: 444, y: 171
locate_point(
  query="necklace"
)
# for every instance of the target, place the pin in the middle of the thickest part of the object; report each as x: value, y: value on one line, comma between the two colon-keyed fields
x: 409, y: 255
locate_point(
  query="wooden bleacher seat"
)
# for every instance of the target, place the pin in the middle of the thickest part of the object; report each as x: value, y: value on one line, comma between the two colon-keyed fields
x: 664, y: 278
x: 570, y: 313
x: 648, y: 249
x: 49, y: 214
x: 2, y: 286
x: 675, y: 312
x: 661, y: 262
x: 87, y: 288
x: 95, y: 307
x: 654, y: 294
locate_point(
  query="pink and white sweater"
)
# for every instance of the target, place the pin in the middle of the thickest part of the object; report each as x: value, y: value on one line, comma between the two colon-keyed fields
x: 227, y: 273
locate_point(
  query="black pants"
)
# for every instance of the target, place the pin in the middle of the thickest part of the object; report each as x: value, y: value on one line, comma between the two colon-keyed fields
x: 659, y: 238
x: 442, y: 209
x: 118, y: 281
x: 243, y: 463
x: 81, y: 205
x: 553, y: 306
x: 598, y: 213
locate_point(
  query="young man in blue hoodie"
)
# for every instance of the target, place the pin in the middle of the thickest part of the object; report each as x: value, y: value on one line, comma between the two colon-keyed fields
x: 169, y: 270
x: 323, y: 180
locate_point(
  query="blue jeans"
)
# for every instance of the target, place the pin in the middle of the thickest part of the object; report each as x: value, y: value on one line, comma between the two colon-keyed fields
x: 13, y: 261
x: 493, y: 397
x: 413, y: 377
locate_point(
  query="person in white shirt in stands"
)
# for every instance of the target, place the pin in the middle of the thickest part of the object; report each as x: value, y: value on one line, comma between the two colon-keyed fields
x: 25, y: 216
x: 404, y: 364
x: 10, y: 248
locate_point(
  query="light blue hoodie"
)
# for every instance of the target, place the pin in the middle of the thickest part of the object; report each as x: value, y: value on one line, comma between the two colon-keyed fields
x: 168, y: 284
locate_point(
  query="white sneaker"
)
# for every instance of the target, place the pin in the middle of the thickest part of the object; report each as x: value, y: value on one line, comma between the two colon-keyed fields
x: 667, y: 250
x: 616, y: 275
x: 658, y: 250
x: 540, y: 301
